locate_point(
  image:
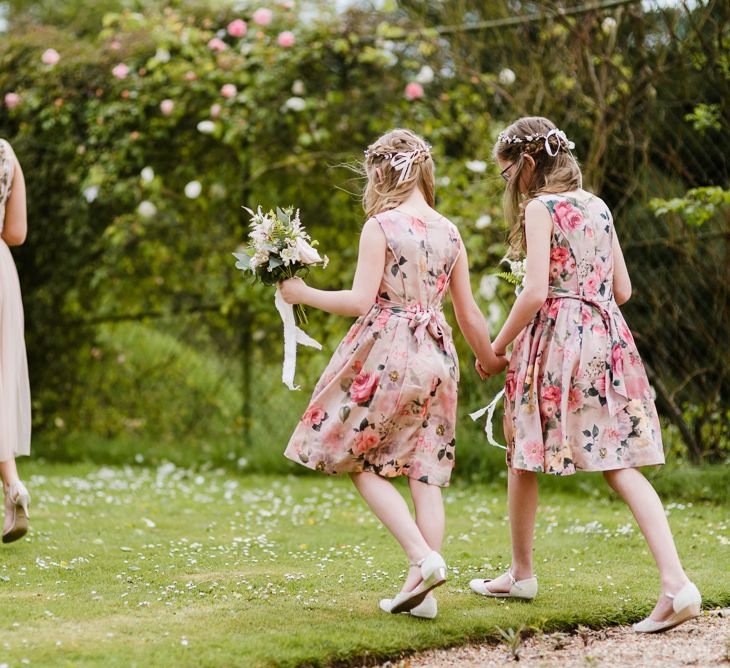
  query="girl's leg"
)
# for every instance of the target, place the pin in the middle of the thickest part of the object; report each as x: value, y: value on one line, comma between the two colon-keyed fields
x: 8, y: 472
x: 392, y: 510
x: 647, y: 509
x: 522, y: 501
x: 430, y: 520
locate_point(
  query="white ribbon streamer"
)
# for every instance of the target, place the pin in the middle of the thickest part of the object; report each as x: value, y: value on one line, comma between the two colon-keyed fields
x: 489, y: 410
x: 401, y: 162
x: 293, y: 335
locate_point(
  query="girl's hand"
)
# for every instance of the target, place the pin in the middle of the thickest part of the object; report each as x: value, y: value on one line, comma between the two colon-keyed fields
x: 292, y: 290
x: 487, y: 370
x: 480, y: 370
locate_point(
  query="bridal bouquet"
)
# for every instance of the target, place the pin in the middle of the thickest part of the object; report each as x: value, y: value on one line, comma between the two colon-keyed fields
x: 516, y: 274
x: 280, y: 248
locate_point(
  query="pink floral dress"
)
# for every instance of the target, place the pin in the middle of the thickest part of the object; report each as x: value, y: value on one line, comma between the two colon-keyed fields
x: 386, y: 402
x: 576, y: 393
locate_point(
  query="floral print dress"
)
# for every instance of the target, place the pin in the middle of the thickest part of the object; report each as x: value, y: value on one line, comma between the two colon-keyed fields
x: 386, y: 402
x: 576, y: 393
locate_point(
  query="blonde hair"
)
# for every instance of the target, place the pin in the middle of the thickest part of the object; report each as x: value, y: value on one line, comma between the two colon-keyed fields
x: 386, y: 187
x: 555, y: 171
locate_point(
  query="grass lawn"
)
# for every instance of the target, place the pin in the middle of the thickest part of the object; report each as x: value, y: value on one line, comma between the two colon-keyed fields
x: 170, y: 567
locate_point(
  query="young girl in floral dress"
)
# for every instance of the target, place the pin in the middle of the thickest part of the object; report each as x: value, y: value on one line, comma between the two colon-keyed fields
x: 576, y: 394
x: 386, y: 403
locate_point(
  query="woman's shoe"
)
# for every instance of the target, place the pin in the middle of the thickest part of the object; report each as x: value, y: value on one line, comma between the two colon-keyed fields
x: 524, y: 589
x: 687, y: 604
x: 433, y: 574
x: 428, y: 609
x: 17, y: 500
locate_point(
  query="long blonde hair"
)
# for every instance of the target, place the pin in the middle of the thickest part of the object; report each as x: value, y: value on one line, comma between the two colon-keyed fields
x: 556, y: 170
x: 385, y: 188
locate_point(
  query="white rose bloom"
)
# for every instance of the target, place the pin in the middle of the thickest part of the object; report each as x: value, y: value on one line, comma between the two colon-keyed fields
x: 507, y: 77
x: 425, y: 75
x: 488, y: 287
x: 289, y: 255
x: 147, y: 174
x: 91, y: 193
x: 608, y: 25
x: 295, y: 103
x: 162, y: 55
x: 298, y: 87
x: 193, y: 189
x: 476, y: 166
x: 307, y: 254
x: 146, y: 209
x: 483, y: 221
x: 206, y: 127
x: 259, y: 258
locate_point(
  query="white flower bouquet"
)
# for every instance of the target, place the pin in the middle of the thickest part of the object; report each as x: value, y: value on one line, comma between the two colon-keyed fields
x: 516, y: 274
x: 279, y: 248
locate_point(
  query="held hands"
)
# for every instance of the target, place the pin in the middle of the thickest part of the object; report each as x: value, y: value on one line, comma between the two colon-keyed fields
x: 487, y: 370
x: 292, y: 290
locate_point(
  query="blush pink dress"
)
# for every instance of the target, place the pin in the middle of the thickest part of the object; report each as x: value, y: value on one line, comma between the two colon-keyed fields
x: 14, y: 386
x: 576, y: 393
x: 386, y: 402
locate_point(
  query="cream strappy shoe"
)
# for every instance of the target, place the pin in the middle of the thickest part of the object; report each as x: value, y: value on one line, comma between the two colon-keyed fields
x: 686, y: 603
x: 428, y: 609
x: 524, y: 589
x: 433, y: 574
x: 17, y: 500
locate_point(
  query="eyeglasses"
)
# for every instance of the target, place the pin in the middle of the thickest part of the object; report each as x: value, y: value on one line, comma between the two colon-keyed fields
x: 504, y: 174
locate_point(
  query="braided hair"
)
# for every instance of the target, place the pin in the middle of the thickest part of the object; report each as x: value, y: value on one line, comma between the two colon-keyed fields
x: 394, y: 165
x: 556, y: 169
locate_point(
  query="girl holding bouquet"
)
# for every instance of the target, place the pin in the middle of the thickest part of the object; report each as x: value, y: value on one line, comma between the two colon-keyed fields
x: 576, y: 394
x: 386, y: 403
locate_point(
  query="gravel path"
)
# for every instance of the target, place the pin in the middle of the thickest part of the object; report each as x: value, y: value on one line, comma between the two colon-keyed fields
x: 701, y: 642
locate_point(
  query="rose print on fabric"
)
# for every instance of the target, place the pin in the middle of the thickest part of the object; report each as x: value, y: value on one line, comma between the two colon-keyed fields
x: 375, y: 412
x: 576, y: 386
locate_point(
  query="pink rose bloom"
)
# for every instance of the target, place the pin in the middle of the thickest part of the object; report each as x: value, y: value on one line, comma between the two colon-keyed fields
x: 50, y: 57
x: 570, y: 265
x: 591, y: 285
x: 551, y: 393
x: 626, y: 333
x: 382, y: 319
x: 115, y: 45
x: 166, y: 107
x: 228, y: 90
x: 569, y: 215
x: 237, y: 28
x: 313, y: 416
x: 575, y: 399
x: 263, y: 16
x: 334, y: 438
x: 601, y: 385
x: 12, y: 100
x: 534, y: 453
x: 548, y: 408
x: 441, y: 282
x: 554, y: 309
x: 357, y: 366
x: 617, y: 359
x: 510, y: 385
x: 217, y: 44
x: 599, y: 329
x: 286, y: 39
x: 363, y: 386
x: 636, y: 386
x: 190, y: 76
x: 215, y: 111
x: 120, y: 71
x: 364, y: 441
x: 414, y: 90
x: 559, y: 255
x: 418, y: 226
x: 586, y: 315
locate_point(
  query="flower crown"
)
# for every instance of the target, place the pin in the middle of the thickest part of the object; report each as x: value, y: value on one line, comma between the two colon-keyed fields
x: 559, y: 134
x: 400, y: 161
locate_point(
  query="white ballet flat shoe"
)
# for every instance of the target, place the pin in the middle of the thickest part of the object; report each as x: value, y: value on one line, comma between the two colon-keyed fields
x: 433, y: 574
x: 15, y: 524
x: 524, y: 589
x: 687, y: 604
x: 428, y: 609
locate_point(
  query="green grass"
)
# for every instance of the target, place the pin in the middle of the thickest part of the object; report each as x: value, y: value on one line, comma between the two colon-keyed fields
x: 171, y: 567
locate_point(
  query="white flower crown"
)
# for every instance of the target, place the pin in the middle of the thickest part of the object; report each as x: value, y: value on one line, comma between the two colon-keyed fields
x: 400, y: 161
x: 562, y: 139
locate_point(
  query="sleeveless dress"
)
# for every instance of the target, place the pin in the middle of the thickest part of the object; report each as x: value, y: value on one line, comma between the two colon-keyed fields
x: 576, y: 393
x: 386, y: 402
x: 14, y: 386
